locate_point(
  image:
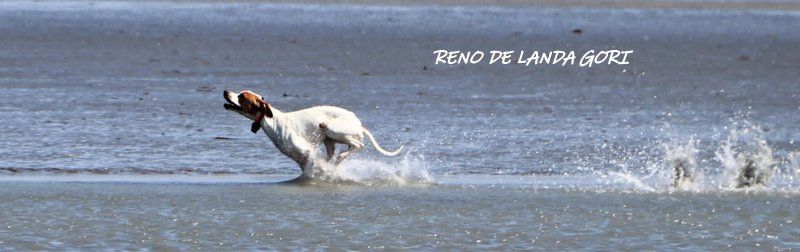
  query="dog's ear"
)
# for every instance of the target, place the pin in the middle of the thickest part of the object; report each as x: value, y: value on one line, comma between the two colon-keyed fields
x: 263, y: 111
x: 255, y: 126
x: 265, y: 108
x: 257, y: 123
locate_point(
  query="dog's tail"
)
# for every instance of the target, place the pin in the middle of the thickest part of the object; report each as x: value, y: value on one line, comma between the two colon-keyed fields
x: 378, y: 147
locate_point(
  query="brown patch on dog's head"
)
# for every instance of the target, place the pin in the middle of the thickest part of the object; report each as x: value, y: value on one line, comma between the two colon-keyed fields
x: 253, y: 103
x: 250, y: 105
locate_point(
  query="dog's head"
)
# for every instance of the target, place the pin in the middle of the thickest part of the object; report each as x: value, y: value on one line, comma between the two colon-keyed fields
x: 248, y: 104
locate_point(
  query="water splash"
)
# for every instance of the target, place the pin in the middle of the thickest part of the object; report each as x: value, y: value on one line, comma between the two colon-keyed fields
x: 794, y: 160
x: 412, y: 169
x: 664, y: 166
x: 628, y: 181
x: 718, y: 166
x: 681, y: 160
x: 746, y: 157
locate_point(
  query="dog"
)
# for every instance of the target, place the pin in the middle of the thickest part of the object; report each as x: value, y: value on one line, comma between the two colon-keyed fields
x: 683, y: 172
x: 299, y: 134
x: 751, y: 175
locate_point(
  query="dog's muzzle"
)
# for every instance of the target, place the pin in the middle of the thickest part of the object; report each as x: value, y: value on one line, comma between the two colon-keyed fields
x: 230, y: 105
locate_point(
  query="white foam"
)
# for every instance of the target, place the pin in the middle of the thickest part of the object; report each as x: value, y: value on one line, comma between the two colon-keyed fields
x: 410, y: 170
x: 745, y: 142
x: 685, y: 154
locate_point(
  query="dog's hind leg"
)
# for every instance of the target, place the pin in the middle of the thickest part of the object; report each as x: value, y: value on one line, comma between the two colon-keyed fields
x: 330, y: 148
x: 353, y: 145
x: 345, y: 154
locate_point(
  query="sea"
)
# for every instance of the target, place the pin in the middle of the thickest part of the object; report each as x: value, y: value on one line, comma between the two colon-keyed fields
x: 113, y: 132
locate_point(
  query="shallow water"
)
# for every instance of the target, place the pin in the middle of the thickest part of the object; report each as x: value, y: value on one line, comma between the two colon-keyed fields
x: 112, y: 117
x: 125, y: 87
x: 242, y: 214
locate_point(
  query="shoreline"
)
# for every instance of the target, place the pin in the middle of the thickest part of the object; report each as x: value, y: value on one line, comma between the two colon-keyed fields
x: 784, y: 6
x: 599, y: 183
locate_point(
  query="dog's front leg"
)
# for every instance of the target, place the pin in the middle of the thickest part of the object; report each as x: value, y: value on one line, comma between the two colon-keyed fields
x: 303, y: 160
x: 303, y: 153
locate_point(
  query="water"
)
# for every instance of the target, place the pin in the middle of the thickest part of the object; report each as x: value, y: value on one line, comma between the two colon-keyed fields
x: 253, y: 215
x: 114, y: 133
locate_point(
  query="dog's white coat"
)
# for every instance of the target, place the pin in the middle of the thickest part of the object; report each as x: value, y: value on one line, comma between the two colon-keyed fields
x: 299, y: 134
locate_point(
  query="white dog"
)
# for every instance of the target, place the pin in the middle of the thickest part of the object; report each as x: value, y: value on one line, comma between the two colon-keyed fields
x: 299, y: 134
